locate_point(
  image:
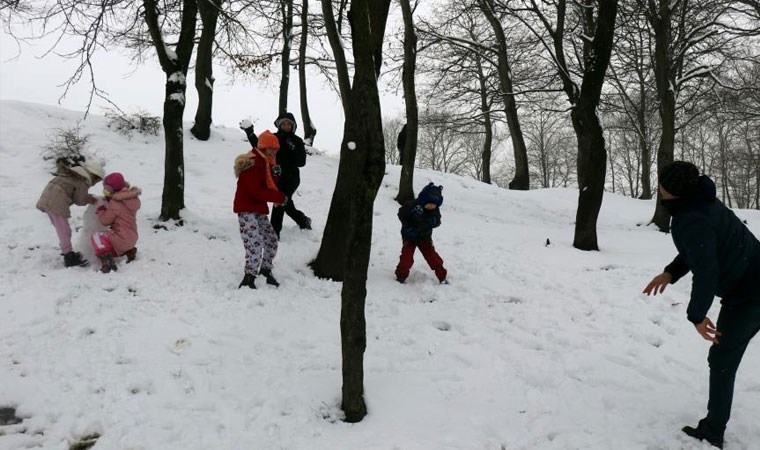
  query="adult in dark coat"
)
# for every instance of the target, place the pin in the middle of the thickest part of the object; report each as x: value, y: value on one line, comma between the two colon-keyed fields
x: 290, y: 158
x: 724, y: 259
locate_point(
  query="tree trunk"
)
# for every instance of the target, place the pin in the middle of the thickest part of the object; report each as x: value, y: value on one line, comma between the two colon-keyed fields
x: 204, y: 77
x: 173, y: 197
x: 521, y: 180
x: 366, y: 166
x: 660, y: 20
x: 330, y: 260
x: 174, y: 65
x: 646, y: 156
x: 286, y: 10
x: 487, y: 123
x: 592, y: 154
x: 406, y: 182
x: 592, y: 165
x: 309, y: 131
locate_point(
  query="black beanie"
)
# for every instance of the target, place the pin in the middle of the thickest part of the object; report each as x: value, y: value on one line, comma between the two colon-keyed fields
x: 679, y: 178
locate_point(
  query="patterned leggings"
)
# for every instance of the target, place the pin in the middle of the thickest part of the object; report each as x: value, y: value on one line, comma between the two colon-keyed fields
x: 258, y: 238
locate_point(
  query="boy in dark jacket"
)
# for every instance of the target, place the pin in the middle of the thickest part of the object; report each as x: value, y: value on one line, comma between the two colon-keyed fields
x: 724, y: 259
x: 290, y: 158
x: 418, y: 218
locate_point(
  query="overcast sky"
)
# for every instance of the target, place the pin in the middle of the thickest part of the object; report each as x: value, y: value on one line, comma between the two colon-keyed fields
x: 24, y: 75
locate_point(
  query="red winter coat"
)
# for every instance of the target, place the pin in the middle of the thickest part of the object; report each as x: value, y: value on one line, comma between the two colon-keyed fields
x: 120, y: 217
x: 253, y: 194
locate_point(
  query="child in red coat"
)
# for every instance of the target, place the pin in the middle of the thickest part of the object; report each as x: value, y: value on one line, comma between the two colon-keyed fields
x: 257, y: 173
x: 120, y: 215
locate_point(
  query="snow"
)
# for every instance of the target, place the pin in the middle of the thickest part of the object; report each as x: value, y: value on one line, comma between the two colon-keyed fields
x: 351, y: 145
x: 209, y: 84
x: 177, y: 97
x: 177, y: 77
x: 529, y: 347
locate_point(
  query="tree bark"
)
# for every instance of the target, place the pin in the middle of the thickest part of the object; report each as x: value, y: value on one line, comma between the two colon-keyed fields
x: 521, y: 180
x: 406, y: 182
x: 286, y: 10
x: 365, y: 164
x: 592, y: 153
x: 487, y: 122
x: 174, y: 65
x: 646, y: 153
x: 204, y: 76
x: 659, y: 15
x: 331, y: 258
x: 309, y: 131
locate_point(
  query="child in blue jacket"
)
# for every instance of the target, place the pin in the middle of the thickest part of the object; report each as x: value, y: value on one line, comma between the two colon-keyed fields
x: 418, y: 218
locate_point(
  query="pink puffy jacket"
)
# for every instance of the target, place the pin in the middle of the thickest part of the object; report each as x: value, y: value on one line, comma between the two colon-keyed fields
x: 120, y: 216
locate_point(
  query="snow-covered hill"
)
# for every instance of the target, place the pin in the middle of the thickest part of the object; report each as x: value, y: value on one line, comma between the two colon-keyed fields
x: 529, y: 347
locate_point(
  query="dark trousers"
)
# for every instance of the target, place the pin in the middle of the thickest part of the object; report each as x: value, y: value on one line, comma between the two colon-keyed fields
x: 737, y: 325
x: 427, y: 249
x: 289, y: 208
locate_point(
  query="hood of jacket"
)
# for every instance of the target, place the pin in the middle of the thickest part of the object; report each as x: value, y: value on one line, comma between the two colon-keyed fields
x: 286, y: 116
x: 128, y: 197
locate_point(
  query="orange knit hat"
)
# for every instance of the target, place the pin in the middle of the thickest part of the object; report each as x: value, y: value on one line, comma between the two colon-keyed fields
x: 268, y: 140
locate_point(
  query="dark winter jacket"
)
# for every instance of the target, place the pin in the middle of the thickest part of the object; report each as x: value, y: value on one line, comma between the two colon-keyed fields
x: 417, y: 223
x: 721, y: 253
x: 291, y: 156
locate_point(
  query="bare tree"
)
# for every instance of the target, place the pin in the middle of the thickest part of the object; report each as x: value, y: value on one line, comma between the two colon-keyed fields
x: 309, y: 129
x: 406, y: 181
x: 204, y: 73
x: 361, y: 170
x: 521, y: 181
x: 590, y: 33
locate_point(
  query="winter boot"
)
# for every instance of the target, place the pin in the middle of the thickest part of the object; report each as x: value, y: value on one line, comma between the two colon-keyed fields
x: 702, y: 433
x: 107, y: 264
x: 131, y: 254
x: 248, y: 280
x: 268, y: 275
x: 74, y: 259
x: 444, y: 281
x: 305, y: 223
x: 401, y: 280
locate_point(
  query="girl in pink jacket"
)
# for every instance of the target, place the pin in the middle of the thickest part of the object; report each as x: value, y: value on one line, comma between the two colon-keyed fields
x: 119, y: 214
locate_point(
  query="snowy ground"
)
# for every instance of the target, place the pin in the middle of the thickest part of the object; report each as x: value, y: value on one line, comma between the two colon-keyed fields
x: 530, y: 347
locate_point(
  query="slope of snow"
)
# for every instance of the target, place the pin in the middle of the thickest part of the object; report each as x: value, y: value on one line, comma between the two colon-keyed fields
x: 529, y: 347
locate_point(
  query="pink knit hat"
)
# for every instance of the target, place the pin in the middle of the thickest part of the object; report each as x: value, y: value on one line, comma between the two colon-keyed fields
x: 114, y: 182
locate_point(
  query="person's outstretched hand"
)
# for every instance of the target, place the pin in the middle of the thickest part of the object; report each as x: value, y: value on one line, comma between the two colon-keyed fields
x: 707, y: 330
x: 658, y: 284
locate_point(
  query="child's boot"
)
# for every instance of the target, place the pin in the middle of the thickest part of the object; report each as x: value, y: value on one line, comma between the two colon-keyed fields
x: 248, y: 280
x: 107, y: 264
x: 74, y: 259
x: 267, y: 273
x: 131, y: 254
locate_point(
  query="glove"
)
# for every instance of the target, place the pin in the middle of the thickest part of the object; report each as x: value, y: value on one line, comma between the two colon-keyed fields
x: 417, y: 211
x: 246, y: 125
x: 101, y: 209
x: 276, y: 170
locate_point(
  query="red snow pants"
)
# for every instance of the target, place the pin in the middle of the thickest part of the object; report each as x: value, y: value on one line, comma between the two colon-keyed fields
x: 432, y: 257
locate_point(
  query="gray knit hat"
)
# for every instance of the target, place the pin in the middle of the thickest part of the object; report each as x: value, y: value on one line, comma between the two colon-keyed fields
x: 679, y: 178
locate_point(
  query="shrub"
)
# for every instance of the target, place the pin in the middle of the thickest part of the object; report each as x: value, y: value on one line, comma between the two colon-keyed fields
x: 67, y: 146
x: 140, y: 122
